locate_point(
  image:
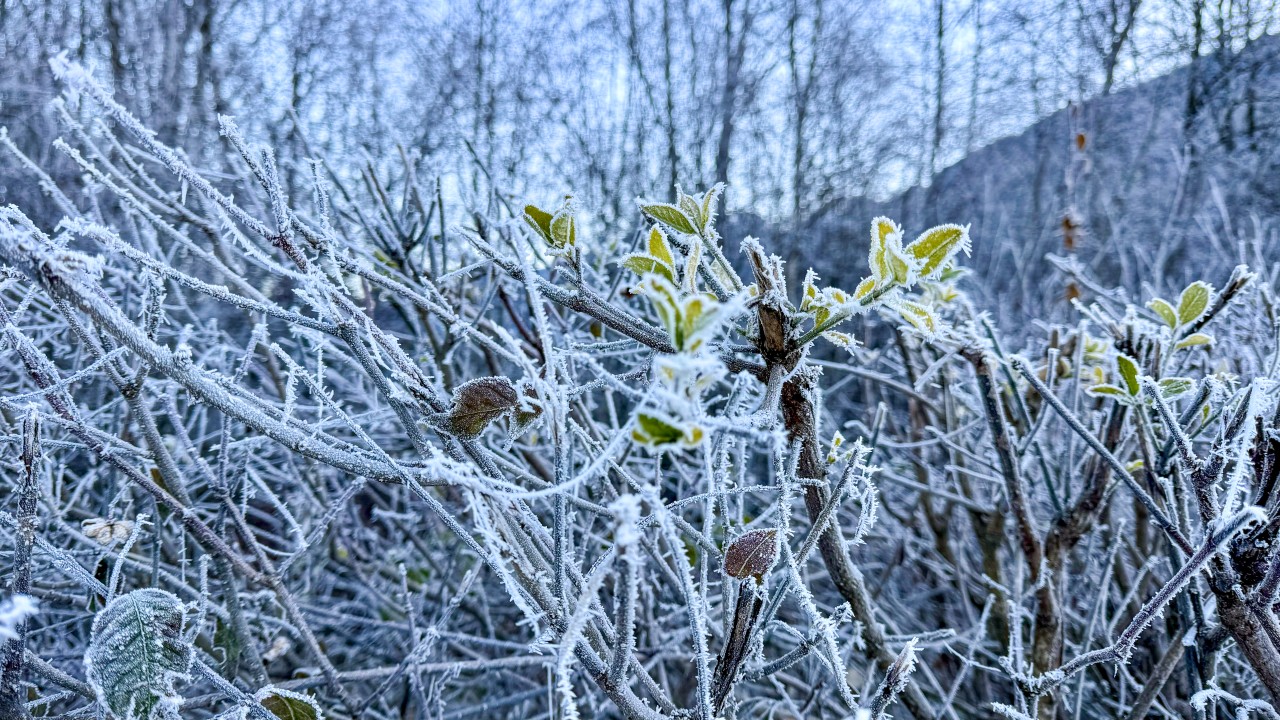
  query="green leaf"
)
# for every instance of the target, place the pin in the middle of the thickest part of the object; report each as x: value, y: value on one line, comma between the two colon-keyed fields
x: 1165, y: 311
x: 666, y: 302
x: 691, y: 209
x: 1129, y: 372
x: 936, y: 246
x: 1193, y: 302
x: 1174, y: 386
x: 1106, y: 390
x: 658, y: 431
x: 558, y: 229
x: 563, y: 228
x: 225, y: 637
x: 644, y: 264
x: 655, y: 431
x: 290, y: 705
x: 671, y: 216
x: 1193, y: 340
x: 476, y: 404
x: 137, y: 652
x: 691, y: 261
x: 539, y: 220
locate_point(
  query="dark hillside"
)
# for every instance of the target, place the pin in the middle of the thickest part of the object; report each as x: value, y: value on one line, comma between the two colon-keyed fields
x: 1129, y: 185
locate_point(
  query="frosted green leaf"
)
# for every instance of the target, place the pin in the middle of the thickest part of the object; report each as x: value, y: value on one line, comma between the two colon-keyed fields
x: 563, y: 227
x: 692, y: 209
x: 288, y: 705
x: 671, y: 216
x: 809, y: 295
x: 644, y: 264
x: 1165, y: 311
x: 557, y: 229
x: 887, y: 259
x: 137, y: 652
x: 698, y: 317
x: 656, y: 431
x: 1174, y: 386
x: 666, y: 302
x: 691, y: 268
x: 1193, y: 340
x: 864, y: 288
x: 936, y: 246
x: 1193, y: 301
x: 1129, y: 372
x: 539, y: 220
x: 1106, y: 391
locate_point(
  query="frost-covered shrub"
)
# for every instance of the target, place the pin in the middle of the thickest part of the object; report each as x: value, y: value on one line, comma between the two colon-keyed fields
x: 284, y: 448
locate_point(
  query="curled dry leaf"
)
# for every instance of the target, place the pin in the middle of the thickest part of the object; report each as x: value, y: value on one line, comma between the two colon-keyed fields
x: 106, y: 531
x: 752, y: 554
x: 476, y: 404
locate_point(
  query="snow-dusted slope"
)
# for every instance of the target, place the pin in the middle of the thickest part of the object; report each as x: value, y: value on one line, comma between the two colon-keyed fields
x: 1157, y: 199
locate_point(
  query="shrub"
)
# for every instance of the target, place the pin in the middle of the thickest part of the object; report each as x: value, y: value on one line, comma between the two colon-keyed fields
x: 335, y: 458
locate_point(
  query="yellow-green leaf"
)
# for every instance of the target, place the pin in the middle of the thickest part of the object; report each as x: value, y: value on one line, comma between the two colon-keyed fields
x: 936, y: 246
x: 919, y: 316
x: 809, y: 291
x: 698, y: 316
x: 1193, y: 302
x: 691, y: 267
x: 556, y: 229
x: 1107, y: 390
x: 864, y: 288
x: 1193, y: 340
x: 1165, y: 311
x: 1129, y: 372
x: 658, y: 246
x: 709, y: 201
x: 563, y: 227
x: 655, y: 431
x: 666, y: 302
x: 883, y: 231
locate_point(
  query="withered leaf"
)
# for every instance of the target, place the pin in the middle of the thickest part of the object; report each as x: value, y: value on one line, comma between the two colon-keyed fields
x: 522, y: 419
x: 476, y: 404
x: 752, y: 554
